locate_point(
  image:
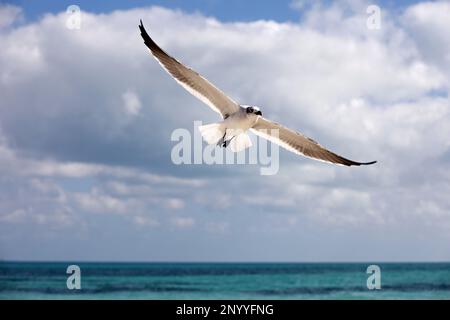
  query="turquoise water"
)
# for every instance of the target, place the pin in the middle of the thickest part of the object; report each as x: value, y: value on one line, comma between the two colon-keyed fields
x: 224, y: 281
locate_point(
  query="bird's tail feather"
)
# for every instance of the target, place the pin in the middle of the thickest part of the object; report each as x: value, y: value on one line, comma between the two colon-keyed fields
x: 240, y: 142
x: 212, y: 133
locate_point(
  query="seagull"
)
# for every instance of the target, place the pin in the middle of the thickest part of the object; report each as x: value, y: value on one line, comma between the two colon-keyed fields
x: 237, y: 118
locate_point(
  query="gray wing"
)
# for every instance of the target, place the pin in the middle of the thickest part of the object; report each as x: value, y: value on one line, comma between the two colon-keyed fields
x: 191, y: 80
x: 298, y: 143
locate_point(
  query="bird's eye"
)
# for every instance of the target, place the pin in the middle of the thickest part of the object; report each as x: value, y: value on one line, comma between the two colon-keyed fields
x: 249, y: 110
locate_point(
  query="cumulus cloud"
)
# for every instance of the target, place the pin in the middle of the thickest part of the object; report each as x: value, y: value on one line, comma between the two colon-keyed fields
x: 426, y: 22
x: 86, y: 117
x: 9, y: 14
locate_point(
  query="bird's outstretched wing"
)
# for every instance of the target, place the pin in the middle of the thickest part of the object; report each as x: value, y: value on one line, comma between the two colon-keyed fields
x: 191, y: 80
x: 298, y: 143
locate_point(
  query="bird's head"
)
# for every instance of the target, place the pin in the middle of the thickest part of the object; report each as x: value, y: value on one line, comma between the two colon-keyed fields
x: 254, y: 110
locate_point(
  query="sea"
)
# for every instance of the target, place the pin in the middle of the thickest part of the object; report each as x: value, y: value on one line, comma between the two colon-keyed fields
x: 50, y: 280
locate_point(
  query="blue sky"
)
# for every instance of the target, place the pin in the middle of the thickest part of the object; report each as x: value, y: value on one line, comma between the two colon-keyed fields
x: 232, y: 10
x: 86, y: 118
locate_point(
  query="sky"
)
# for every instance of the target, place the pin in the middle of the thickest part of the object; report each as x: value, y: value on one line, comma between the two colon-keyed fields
x: 86, y: 117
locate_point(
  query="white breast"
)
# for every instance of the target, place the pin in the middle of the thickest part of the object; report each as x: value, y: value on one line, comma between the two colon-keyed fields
x: 240, y: 121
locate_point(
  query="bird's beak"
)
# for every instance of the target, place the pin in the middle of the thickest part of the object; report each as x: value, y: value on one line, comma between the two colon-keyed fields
x: 258, y: 113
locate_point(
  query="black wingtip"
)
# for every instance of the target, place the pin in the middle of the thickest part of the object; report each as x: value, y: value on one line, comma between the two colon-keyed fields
x: 147, y: 40
x: 368, y: 163
x: 141, y: 27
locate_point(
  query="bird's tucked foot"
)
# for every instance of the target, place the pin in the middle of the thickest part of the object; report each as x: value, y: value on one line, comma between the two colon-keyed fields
x: 221, y: 142
x: 226, y: 143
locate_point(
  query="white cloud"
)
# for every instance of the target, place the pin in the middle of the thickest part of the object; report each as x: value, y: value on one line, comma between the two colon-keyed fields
x: 9, y: 14
x: 182, y: 222
x: 18, y: 215
x: 132, y: 104
x: 426, y: 21
x: 99, y: 203
x: 174, y: 203
x: 145, y: 221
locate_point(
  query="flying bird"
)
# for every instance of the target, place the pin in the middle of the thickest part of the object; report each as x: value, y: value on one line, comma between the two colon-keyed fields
x: 237, y: 118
